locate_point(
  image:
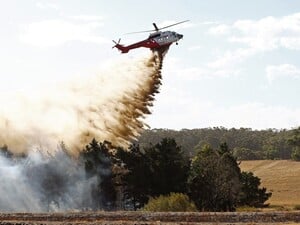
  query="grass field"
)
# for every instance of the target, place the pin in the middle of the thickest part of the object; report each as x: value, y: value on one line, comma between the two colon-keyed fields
x: 282, y: 177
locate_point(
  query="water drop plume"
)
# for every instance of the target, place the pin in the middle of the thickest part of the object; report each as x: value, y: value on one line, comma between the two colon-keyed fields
x: 108, y: 106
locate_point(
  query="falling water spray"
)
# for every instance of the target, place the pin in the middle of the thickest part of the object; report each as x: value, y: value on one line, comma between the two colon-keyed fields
x: 110, y: 106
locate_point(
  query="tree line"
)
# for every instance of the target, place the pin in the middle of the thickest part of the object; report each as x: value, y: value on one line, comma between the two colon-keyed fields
x: 211, y: 180
x: 195, y: 169
x: 129, y: 179
x: 247, y: 144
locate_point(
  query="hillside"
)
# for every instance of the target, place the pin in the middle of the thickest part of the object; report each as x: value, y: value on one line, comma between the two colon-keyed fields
x: 247, y: 144
x: 282, y: 177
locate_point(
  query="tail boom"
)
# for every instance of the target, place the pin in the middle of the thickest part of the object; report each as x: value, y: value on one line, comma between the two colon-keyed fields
x: 122, y: 48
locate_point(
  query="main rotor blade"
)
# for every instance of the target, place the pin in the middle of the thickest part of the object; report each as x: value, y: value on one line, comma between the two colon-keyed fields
x: 174, y: 24
x: 157, y: 29
x: 145, y: 31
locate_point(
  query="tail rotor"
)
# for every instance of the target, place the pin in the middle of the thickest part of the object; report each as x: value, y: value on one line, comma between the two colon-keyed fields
x: 116, y: 43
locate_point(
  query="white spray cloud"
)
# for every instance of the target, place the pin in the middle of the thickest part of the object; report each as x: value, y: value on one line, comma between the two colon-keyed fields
x: 109, y: 106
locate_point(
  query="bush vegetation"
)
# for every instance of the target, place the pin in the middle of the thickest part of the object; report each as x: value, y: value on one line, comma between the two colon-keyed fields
x: 247, y: 144
x: 162, y: 177
x: 297, y: 207
x: 174, y: 202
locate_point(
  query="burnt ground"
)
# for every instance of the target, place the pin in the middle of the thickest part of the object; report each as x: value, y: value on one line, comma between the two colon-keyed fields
x: 147, y: 218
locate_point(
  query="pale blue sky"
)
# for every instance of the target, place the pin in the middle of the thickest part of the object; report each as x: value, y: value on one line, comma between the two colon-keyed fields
x: 237, y: 65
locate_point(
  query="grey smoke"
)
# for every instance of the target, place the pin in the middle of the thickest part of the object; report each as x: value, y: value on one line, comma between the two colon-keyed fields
x: 40, y: 183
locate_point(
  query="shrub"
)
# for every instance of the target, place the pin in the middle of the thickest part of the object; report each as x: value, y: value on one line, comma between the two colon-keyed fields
x: 175, y: 202
x: 297, y: 207
x: 296, y: 154
x: 251, y: 194
x: 247, y: 209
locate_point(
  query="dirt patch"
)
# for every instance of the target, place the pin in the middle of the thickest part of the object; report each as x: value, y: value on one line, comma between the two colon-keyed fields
x: 142, y: 218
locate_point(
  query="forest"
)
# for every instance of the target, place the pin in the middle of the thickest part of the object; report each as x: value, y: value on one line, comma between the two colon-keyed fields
x: 159, y: 177
x: 247, y: 144
x: 166, y: 170
x: 162, y: 177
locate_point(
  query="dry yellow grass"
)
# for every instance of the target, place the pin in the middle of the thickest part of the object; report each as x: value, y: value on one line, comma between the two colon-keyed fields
x: 282, y: 177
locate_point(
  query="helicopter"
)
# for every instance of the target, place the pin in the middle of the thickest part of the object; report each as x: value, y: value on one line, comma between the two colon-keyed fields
x: 156, y: 41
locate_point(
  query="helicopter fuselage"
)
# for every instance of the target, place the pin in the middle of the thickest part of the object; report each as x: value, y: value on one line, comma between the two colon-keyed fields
x: 155, y: 41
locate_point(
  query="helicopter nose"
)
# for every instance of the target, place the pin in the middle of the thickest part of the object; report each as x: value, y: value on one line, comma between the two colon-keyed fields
x: 179, y: 36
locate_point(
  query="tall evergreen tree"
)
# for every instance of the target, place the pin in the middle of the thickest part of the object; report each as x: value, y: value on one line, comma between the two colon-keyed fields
x: 98, y: 163
x: 214, y: 179
x: 156, y: 170
x: 251, y: 193
x: 135, y: 179
x: 169, y: 167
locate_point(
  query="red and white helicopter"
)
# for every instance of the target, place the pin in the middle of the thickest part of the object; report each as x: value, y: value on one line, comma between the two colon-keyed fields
x: 156, y: 41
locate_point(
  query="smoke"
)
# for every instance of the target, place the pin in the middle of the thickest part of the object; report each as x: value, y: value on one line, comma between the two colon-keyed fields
x: 38, y: 183
x: 111, y: 106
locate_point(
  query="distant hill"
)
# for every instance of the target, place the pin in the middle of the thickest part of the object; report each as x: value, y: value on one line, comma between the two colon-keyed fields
x: 282, y: 177
x: 246, y: 143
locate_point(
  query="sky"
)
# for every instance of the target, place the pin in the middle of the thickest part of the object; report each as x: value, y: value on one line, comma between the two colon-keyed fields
x: 237, y: 65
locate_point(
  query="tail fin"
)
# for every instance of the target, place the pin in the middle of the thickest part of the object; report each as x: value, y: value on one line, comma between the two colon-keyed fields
x: 122, y: 48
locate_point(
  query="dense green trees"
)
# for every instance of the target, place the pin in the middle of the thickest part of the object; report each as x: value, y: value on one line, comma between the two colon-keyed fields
x: 135, y: 178
x: 247, y: 144
x: 212, y: 178
x: 251, y: 193
x: 155, y: 170
x: 169, y: 167
x: 242, y: 153
x: 294, y: 141
x: 216, y: 182
x: 98, y: 164
x: 128, y: 178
